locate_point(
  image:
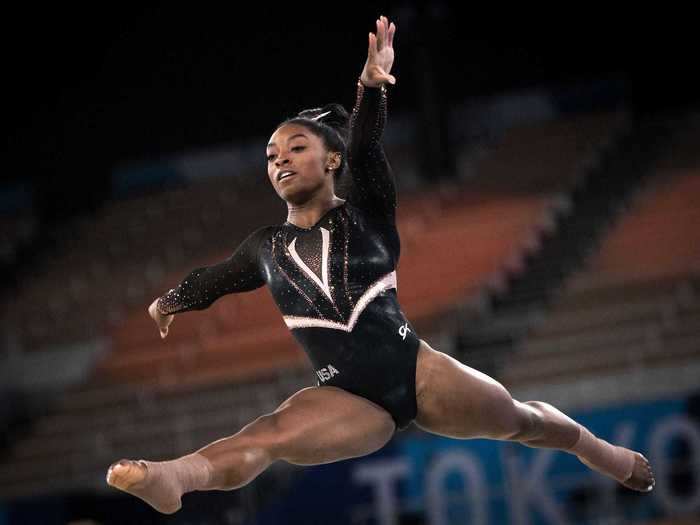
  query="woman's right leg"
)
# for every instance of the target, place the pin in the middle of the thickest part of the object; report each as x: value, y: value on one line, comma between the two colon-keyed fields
x: 316, y: 425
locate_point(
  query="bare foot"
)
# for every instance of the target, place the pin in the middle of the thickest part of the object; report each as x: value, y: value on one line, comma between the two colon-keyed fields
x: 134, y: 477
x: 642, y: 478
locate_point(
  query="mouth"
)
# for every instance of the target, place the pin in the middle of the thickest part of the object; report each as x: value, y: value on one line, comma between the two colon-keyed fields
x: 285, y: 174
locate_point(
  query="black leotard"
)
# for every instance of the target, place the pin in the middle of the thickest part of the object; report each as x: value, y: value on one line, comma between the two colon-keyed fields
x: 335, y: 283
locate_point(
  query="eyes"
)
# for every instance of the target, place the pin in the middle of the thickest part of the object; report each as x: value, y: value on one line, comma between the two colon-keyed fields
x: 295, y: 149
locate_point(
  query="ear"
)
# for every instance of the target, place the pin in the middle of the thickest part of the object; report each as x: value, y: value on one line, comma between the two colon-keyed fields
x: 333, y: 161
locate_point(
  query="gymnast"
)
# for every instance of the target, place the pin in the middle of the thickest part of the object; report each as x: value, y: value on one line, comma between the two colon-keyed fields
x: 331, y: 269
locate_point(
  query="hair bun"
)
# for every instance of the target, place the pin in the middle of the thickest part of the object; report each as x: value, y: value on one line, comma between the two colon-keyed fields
x: 333, y: 115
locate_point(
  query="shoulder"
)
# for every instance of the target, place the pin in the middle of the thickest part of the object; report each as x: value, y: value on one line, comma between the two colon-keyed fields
x: 264, y: 231
x: 369, y: 218
x: 254, y: 240
x: 261, y: 234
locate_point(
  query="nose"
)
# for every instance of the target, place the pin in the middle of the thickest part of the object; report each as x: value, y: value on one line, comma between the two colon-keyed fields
x: 281, y: 160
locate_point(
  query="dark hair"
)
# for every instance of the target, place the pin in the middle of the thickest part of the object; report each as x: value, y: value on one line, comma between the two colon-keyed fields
x: 330, y: 124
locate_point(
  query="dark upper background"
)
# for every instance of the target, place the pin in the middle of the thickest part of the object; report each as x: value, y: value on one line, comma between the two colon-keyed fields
x: 89, y: 87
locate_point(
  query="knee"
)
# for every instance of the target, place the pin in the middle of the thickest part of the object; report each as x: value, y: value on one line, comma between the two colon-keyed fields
x: 506, y: 419
x: 266, y: 434
x: 519, y: 421
x: 531, y: 417
x: 539, y: 411
x: 538, y: 407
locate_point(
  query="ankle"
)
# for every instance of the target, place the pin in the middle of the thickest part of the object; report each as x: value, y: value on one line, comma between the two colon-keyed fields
x: 193, y: 472
x: 600, y: 455
x: 582, y: 441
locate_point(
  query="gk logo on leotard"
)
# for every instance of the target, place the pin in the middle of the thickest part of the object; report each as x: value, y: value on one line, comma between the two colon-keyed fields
x: 324, y: 374
x: 404, y: 330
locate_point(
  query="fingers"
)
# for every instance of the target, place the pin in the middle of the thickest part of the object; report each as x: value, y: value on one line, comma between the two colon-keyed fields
x: 153, y: 310
x: 384, y: 36
x: 390, y: 35
x: 380, y: 54
x: 372, y: 51
x: 162, y: 321
x: 381, y: 33
x: 163, y: 325
x: 385, y: 32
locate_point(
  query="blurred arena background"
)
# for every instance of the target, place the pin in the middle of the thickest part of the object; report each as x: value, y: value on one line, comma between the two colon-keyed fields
x: 549, y: 207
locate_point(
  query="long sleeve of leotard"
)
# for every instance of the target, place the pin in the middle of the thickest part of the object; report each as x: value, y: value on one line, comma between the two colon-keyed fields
x: 238, y: 273
x: 373, y: 188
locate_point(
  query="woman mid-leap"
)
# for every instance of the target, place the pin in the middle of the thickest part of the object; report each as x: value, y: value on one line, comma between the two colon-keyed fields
x: 331, y: 270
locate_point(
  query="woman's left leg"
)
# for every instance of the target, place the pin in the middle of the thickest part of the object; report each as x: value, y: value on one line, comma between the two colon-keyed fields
x: 457, y: 401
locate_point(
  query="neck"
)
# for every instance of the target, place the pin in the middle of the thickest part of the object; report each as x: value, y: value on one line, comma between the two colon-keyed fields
x: 307, y: 214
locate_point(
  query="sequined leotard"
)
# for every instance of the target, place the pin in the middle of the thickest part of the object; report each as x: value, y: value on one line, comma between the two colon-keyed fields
x: 335, y: 283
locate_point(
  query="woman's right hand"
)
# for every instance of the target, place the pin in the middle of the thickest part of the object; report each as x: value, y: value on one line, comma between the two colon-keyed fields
x: 163, y: 321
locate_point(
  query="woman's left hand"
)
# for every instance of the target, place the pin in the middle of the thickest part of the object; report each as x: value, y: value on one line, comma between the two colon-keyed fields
x: 380, y: 55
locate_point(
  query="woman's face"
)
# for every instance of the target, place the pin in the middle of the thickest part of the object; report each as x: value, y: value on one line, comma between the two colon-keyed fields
x: 297, y: 163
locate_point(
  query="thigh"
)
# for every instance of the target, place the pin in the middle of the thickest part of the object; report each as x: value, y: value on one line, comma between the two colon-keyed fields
x: 458, y: 401
x: 325, y: 424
